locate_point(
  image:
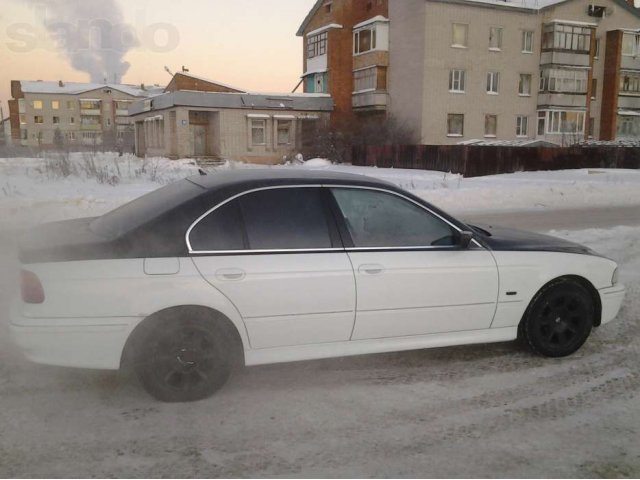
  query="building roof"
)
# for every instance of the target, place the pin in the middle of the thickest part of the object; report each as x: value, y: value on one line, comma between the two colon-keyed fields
x: 74, y: 88
x: 202, y: 79
x: 308, y: 18
x: 532, y: 5
x: 247, y: 101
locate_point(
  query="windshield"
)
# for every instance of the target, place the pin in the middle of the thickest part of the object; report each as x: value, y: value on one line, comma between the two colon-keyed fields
x: 144, y: 209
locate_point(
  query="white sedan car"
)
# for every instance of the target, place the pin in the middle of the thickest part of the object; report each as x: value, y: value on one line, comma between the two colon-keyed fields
x: 261, y: 266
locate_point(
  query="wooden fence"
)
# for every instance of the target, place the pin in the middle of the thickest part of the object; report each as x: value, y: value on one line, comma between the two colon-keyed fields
x: 476, y: 161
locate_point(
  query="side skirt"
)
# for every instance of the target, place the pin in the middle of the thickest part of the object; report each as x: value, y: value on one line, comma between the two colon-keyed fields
x: 378, y: 345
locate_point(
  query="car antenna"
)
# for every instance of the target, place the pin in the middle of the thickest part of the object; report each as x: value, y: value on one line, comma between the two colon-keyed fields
x: 201, y: 172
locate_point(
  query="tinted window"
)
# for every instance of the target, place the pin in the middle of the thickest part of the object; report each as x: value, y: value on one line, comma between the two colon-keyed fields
x: 220, y: 230
x: 377, y: 219
x: 285, y: 218
x: 145, y: 209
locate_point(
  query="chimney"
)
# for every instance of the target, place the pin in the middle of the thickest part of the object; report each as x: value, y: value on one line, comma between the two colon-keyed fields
x: 60, y: 83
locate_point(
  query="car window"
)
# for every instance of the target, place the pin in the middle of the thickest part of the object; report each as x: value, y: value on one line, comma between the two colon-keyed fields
x: 378, y: 219
x: 285, y: 218
x: 220, y: 230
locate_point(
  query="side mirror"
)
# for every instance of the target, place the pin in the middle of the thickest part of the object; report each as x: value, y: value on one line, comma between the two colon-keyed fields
x: 464, y: 239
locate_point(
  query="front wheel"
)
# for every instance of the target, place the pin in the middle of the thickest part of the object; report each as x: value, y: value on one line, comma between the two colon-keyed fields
x: 182, y: 359
x: 559, y: 319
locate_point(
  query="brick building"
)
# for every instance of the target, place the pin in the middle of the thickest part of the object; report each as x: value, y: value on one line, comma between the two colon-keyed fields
x: 346, y: 54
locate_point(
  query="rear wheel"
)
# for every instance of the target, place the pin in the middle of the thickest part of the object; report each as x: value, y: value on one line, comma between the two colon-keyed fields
x: 182, y: 359
x: 559, y: 319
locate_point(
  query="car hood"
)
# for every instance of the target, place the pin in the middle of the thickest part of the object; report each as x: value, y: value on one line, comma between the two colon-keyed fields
x: 509, y: 239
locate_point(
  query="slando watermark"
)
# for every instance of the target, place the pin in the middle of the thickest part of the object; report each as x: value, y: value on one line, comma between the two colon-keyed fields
x: 75, y: 34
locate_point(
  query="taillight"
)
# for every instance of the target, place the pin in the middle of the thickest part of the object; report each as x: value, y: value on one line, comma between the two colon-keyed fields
x: 31, y: 288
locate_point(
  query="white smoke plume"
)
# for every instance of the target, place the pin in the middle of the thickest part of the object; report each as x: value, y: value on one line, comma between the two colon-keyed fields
x: 92, y: 34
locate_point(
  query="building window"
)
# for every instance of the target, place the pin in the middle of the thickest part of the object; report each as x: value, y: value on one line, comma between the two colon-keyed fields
x: 90, y: 104
x: 38, y: 119
x: 317, y: 45
x: 493, y: 81
x: 597, y: 53
x: 495, y: 38
x: 456, y: 80
x: 23, y: 119
x: 72, y: 121
x: 594, y: 87
x: 490, y: 125
x: 284, y: 132
x: 628, y: 126
x: 522, y: 126
x: 566, y: 37
x: 541, y: 122
x: 630, y: 84
x: 70, y: 105
x: 527, y: 41
x: 455, y: 125
x: 364, y: 40
x: 559, y: 80
x: 37, y: 104
x: 365, y: 79
x: 562, y: 121
x: 71, y: 136
x: 56, y: 120
x: 24, y: 134
x: 258, y: 132
x: 630, y: 45
x: 460, y: 35
x: 55, y: 105
x: 524, y: 86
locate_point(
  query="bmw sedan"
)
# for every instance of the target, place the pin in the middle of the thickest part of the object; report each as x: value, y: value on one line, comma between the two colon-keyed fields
x: 257, y: 266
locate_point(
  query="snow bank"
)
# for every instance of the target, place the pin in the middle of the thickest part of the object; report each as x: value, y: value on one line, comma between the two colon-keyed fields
x: 33, y: 190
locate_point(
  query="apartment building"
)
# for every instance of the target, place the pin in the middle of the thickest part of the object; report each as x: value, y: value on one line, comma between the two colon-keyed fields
x: 559, y: 71
x: 47, y: 114
x: 346, y: 54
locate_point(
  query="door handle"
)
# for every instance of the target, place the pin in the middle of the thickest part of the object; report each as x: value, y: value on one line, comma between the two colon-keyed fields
x: 371, y: 269
x: 230, y: 274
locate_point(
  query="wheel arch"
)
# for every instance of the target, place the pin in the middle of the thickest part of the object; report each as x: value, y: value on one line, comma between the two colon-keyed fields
x: 218, y: 320
x: 593, y: 292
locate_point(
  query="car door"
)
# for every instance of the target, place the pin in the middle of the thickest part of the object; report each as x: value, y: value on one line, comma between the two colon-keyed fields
x: 411, y: 277
x: 276, y: 254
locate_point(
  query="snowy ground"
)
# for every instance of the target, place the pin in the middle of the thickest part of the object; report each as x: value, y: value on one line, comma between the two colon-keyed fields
x: 37, y: 187
x: 480, y: 411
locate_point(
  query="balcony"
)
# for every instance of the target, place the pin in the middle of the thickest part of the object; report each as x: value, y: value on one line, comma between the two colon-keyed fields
x: 577, y: 58
x: 562, y: 99
x: 631, y: 102
x: 93, y: 127
x: 90, y: 111
x: 370, y: 100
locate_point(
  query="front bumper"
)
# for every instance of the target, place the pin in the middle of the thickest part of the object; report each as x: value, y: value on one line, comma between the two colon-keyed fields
x: 72, y: 342
x: 611, y: 299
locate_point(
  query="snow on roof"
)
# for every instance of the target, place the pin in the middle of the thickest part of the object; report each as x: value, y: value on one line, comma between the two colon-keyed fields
x: 74, y: 88
x: 324, y: 29
x: 530, y: 142
x: 377, y: 18
x: 526, y: 4
x: 611, y: 143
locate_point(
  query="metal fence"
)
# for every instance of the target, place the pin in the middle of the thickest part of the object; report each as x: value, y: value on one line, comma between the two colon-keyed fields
x: 476, y: 161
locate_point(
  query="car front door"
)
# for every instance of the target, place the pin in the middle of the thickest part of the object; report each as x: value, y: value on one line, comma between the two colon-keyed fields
x: 411, y: 277
x: 276, y: 254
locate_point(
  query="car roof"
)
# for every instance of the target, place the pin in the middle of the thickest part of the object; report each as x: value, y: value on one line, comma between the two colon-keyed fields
x: 249, y: 177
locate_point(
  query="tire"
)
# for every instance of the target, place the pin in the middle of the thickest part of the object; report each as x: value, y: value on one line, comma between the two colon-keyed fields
x: 559, y: 319
x: 183, y: 358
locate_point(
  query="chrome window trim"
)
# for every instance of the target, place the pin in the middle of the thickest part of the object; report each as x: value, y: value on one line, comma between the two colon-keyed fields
x: 313, y: 250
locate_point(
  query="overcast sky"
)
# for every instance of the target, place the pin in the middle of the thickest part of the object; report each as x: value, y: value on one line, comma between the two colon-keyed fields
x: 246, y: 43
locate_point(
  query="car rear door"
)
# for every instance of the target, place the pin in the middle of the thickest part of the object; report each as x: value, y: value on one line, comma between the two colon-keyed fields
x: 411, y: 277
x: 277, y: 255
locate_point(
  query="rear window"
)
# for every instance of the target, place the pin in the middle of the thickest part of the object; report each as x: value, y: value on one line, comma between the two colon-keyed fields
x: 144, y: 209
